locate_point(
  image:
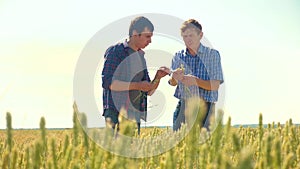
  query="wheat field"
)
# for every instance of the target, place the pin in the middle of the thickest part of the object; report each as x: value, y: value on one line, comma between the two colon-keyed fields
x: 275, y: 146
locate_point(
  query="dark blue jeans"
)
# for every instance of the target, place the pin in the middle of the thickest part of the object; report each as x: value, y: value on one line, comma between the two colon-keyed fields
x: 179, y: 117
x: 111, y: 119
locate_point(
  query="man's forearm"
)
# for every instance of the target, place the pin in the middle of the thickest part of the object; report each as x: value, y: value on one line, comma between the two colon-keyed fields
x: 156, y: 83
x: 208, y: 84
x: 118, y: 85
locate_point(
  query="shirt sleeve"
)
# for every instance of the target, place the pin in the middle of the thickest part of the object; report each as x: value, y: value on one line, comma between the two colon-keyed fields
x: 146, y: 72
x: 175, y: 61
x: 216, y: 72
x: 110, y: 65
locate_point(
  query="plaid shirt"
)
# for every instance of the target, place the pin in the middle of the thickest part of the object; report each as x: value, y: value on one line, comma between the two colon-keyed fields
x: 123, y: 63
x: 206, y: 65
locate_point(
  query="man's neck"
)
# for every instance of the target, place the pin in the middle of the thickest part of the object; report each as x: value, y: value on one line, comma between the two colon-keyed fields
x: 194, y: 51
x: 132, y: 45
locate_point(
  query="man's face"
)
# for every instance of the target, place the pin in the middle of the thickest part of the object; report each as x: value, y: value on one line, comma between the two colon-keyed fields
x: 144, y: 38
x: 191, y: 38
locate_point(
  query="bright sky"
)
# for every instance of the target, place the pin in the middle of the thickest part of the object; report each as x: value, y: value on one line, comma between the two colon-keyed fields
x: 40, y: 42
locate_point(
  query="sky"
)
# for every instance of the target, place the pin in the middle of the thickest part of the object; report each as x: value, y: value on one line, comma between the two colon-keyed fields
x: 41, y: 42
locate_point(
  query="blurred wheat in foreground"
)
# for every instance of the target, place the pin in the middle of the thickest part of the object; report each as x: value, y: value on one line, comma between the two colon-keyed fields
x: 276, y: 146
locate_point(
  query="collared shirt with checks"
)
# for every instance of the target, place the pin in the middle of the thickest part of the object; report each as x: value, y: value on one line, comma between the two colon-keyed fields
x: 206, y: 65
x: 124, y: 64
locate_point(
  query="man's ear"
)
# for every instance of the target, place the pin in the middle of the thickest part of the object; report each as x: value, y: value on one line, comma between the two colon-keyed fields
x: 134, y: 32
x: 201, y: 35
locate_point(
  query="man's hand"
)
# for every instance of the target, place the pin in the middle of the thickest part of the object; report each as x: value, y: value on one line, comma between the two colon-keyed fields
x: 162, y: 72
x: 178, y: 74
x: 189, y: 80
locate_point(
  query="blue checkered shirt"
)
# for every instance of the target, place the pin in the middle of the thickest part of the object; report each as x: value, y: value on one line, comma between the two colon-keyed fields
x: 206, y: 65
x: 118, y: 66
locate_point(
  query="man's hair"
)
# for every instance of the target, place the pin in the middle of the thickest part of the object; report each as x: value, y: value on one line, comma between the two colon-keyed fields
x: 139, y: 24
x: 191, y: 23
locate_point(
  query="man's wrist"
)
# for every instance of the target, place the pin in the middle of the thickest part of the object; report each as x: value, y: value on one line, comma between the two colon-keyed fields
x: 155, y: 80
x: 195, y: 79
x: 157, y: 77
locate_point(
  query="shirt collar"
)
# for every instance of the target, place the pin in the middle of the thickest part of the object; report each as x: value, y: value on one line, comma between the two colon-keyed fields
x: 125, y: 43
x: 200, y: 50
